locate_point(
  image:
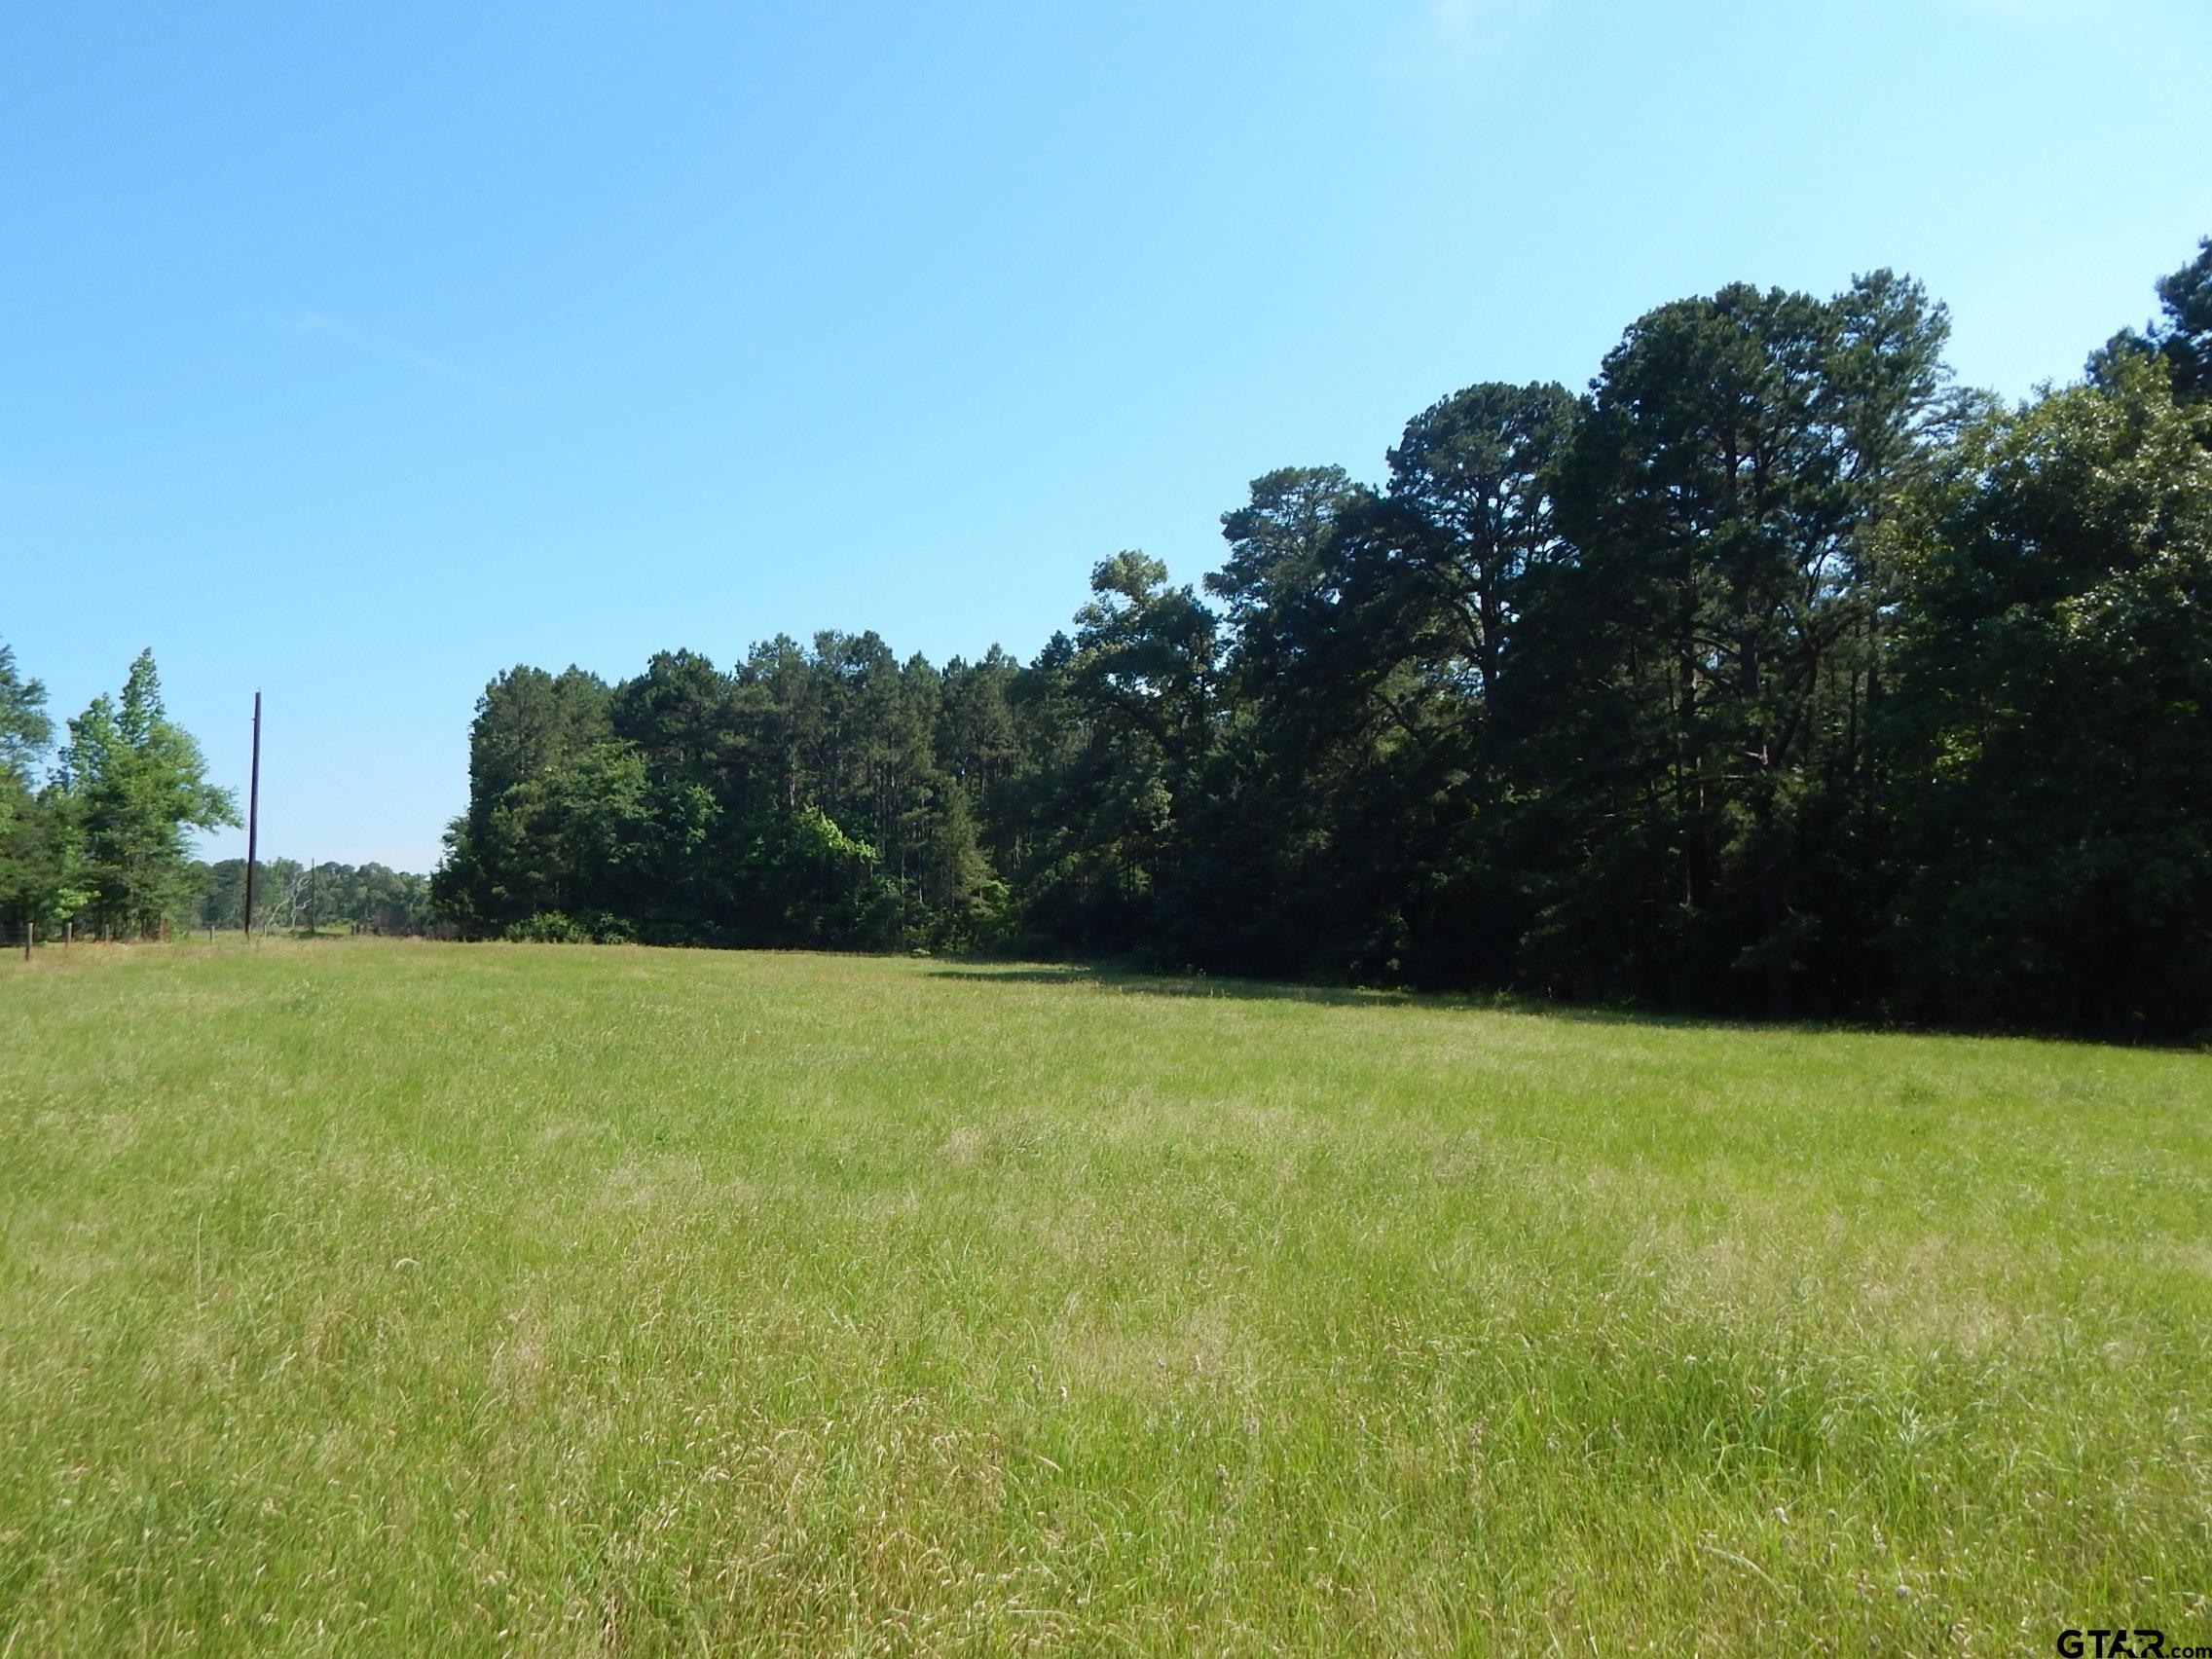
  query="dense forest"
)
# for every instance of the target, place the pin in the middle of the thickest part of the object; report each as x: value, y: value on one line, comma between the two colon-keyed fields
x: 1776, y: 674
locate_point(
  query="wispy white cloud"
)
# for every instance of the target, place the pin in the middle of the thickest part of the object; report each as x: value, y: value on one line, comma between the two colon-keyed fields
x: 1469, y: 33
x: 14, y: 488
x: 398, y: 351
x: 2049, y: 13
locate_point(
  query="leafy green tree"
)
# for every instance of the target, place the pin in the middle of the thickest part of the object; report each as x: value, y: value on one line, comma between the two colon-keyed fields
x: 977, y: 741
x: 965, y: 900
x: 1471, y: 537
x: 1133, y: 693
x: 136, y: 783
x: 528, y: 724
x: 1722, y: 494
x: 26, y: 732
x: 30, y: 830
x: 2181, y: 341
x: 1274, y: 884
x: 2053, y: 706
x: 1278, y: 583
x: 1473, y: 476
x: 826, y: 884
x: 680, y: 717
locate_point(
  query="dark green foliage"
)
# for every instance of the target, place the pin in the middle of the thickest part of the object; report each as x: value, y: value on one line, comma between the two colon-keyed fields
x: 1773, y: 676
x: 32, y: 828
x: 2053, y: 712
x: 790, y: 803
x: 1709, y: 669
x: 553, y: 927
x: 2181, y: 341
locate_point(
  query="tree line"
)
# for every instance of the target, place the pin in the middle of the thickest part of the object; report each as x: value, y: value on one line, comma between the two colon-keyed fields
x: 95, y: 835
x: 292, y: 897
x: 1776, y: 674
x: 96, y: 831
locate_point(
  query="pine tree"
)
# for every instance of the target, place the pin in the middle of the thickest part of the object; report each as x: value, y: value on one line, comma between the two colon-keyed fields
x: 136, y: 783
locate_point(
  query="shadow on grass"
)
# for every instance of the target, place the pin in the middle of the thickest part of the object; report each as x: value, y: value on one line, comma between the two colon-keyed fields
x: 1155, y: 984
x: 1177, y: 986
x: 1130, y: 980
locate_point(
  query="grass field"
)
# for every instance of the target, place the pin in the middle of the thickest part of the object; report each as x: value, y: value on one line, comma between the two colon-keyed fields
x: 361, y: 1296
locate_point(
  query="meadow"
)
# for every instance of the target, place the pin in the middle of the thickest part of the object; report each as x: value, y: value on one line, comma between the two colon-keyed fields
x: 399, y: 1298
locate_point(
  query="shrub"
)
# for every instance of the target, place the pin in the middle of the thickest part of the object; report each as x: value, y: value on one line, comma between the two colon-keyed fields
x: 547, y: 927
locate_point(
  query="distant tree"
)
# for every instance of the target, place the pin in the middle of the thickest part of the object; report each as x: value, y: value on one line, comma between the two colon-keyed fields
x: 977, y: 738
x: 387, y: 901
x: 135, y: 783
x: 369, y: 897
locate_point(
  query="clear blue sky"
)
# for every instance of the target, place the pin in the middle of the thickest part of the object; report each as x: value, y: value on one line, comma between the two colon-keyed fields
x: 356, y: 353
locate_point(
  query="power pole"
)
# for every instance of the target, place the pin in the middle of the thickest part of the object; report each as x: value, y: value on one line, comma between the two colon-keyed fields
x: 253, y: 816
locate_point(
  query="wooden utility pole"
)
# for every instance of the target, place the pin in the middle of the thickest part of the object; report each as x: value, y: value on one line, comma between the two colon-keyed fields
x: 253, y: 815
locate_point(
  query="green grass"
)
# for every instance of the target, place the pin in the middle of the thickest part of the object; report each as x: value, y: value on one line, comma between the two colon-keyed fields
x: 361, y: 1296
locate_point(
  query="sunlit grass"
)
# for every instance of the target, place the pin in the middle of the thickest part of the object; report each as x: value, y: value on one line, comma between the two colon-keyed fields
x: 368, y: 1296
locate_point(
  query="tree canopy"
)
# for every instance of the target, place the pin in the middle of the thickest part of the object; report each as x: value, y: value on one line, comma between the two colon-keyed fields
x: 98, y: 830
x: 1774, y: 674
